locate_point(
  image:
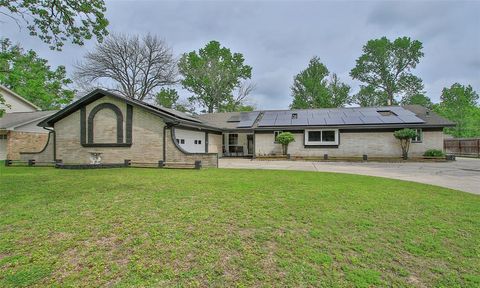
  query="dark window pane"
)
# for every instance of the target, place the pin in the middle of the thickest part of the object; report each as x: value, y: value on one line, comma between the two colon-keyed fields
x: 314, y: 136
x: 232, y: 139
x: 328, y: 136
x: 199, y: 141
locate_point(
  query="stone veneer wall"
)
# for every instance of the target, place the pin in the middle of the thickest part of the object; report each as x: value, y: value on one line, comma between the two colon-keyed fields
x: 147, y: 137
x: 18, y: 141
x: 352, y: 144
x: 174, y: 154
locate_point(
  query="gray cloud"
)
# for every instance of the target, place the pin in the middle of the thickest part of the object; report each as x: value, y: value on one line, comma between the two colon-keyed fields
x: 278, y: 38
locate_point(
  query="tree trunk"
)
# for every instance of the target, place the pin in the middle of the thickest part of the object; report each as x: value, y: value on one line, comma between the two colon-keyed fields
x: 285, y: 149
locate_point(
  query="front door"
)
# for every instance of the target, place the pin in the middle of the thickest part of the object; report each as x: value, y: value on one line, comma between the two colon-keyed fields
x: 250, y: 144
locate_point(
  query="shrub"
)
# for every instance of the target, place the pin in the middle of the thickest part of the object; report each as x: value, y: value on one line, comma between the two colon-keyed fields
x: 285, y: 138
x: 405, y: 136
x: 433, y: 153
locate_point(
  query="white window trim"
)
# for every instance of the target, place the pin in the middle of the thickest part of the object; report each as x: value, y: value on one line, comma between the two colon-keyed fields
x: 419, y: 131
x: 325, y: 143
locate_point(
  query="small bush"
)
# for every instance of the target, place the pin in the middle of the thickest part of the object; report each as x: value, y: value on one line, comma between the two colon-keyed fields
x: 433, y: 153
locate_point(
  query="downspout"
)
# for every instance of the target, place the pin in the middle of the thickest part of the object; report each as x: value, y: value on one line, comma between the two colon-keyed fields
x: 54, y: 142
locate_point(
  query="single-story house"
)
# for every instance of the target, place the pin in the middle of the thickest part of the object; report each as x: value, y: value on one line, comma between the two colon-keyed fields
x: 118, y: 129
x: 18, y: 126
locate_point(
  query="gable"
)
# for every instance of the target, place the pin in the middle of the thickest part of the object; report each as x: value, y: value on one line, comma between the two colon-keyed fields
x: 15, y: 102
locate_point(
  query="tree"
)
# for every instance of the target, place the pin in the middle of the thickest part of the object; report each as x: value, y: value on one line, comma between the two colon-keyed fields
x: 137, y: 66
x: 405, y: 136
x: 385, y: 67
x: 285, y: 138
x: 212, y: 75
x: 369, y: 97
x: 459, y: 103
x: 312, y: 89
x: 418, y: 99
x: 31, y: 76
x: 56, y: 21
x: 168, y: 98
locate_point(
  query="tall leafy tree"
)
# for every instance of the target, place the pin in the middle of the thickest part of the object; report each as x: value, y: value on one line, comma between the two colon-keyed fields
x: 168, y: 98
x: 136, y: 66
x: 312, y: 89
x: 459, y: 103
x: 31, y: 76
x: 213, y: 74
x: 56, y: 21
x: 385, y: 67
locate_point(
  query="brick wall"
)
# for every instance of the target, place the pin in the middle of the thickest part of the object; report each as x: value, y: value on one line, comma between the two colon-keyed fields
x: 147, y: 137
x: 377, y: 144
x: 24, y: 142
x: 46, y: 154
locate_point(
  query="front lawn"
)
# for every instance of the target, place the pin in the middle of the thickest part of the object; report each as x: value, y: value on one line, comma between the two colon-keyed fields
x: 151, y: 227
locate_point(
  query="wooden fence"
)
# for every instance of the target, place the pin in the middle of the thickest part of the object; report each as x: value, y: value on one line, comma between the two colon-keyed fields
x: 462, y: 147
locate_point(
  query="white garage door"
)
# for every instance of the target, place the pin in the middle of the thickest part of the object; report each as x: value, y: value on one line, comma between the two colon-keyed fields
x: 3, y: 147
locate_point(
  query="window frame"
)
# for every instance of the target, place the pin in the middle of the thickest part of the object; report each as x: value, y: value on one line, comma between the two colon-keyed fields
x: 275, y: 135
x: 321, y: 142
x: 236, y: 139
x: 419, y: 137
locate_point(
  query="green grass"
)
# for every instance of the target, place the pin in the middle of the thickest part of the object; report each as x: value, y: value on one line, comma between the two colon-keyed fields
x: 151, y: 227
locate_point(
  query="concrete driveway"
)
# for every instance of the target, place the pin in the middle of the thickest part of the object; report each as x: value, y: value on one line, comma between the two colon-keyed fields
x: 463, y: 174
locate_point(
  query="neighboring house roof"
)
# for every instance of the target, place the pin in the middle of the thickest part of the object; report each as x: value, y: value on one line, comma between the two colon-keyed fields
x: 5, y: 89
x: 171, y: 115
x: 10, y: 121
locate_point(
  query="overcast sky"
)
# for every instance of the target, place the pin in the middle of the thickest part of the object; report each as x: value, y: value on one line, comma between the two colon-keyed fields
x: 278, y: 38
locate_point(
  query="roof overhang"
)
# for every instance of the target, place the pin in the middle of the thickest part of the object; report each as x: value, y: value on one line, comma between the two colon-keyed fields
x: 99, y: 93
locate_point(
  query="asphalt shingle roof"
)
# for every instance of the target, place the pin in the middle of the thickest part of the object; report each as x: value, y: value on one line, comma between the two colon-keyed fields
x: 19, y: 118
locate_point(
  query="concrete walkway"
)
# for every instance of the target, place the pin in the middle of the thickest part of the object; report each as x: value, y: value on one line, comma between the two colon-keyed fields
x: 463, y: 174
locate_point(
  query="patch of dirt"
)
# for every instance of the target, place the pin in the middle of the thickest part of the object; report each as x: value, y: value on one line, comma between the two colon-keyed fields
x: 415, y: 281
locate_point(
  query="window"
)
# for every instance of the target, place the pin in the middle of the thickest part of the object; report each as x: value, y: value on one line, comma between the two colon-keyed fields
x: 195, y: 142
x: 321, y: 137
x: 294, y: 116
x: 232, y: 139
x: 4, y: 137
x: 419, y: 137
x: 275, y: 135
x: 182, y: 141
x: 199, y: 141
x: 178, y: 141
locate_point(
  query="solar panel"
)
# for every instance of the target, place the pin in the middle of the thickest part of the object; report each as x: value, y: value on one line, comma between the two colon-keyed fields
x: 411, y: 119
x: 300, y: 121
x: 247, y: 119
x: 316, y: 121
x: 352, y: 120
x: 371, y: 120
x: 400, y: 111
x: 266, y: 122
x: 390, y: 119
x: 283, y: 121
x: 334, y: 121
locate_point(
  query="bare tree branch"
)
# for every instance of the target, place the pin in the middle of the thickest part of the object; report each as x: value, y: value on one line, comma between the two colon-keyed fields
x: 137, y: 66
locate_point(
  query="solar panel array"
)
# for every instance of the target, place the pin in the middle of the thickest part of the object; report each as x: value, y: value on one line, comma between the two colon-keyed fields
x: 247, y: 119
x: 337, y: 116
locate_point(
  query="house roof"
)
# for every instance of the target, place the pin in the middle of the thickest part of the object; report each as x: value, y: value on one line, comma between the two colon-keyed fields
x: 171, y: 115
x: 12, y: 120
x: 19, y: 97
x: 351, y: 117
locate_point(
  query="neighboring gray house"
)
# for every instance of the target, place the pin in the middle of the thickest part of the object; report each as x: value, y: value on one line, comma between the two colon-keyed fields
x: 119, y: 128
x: 18, y: 126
